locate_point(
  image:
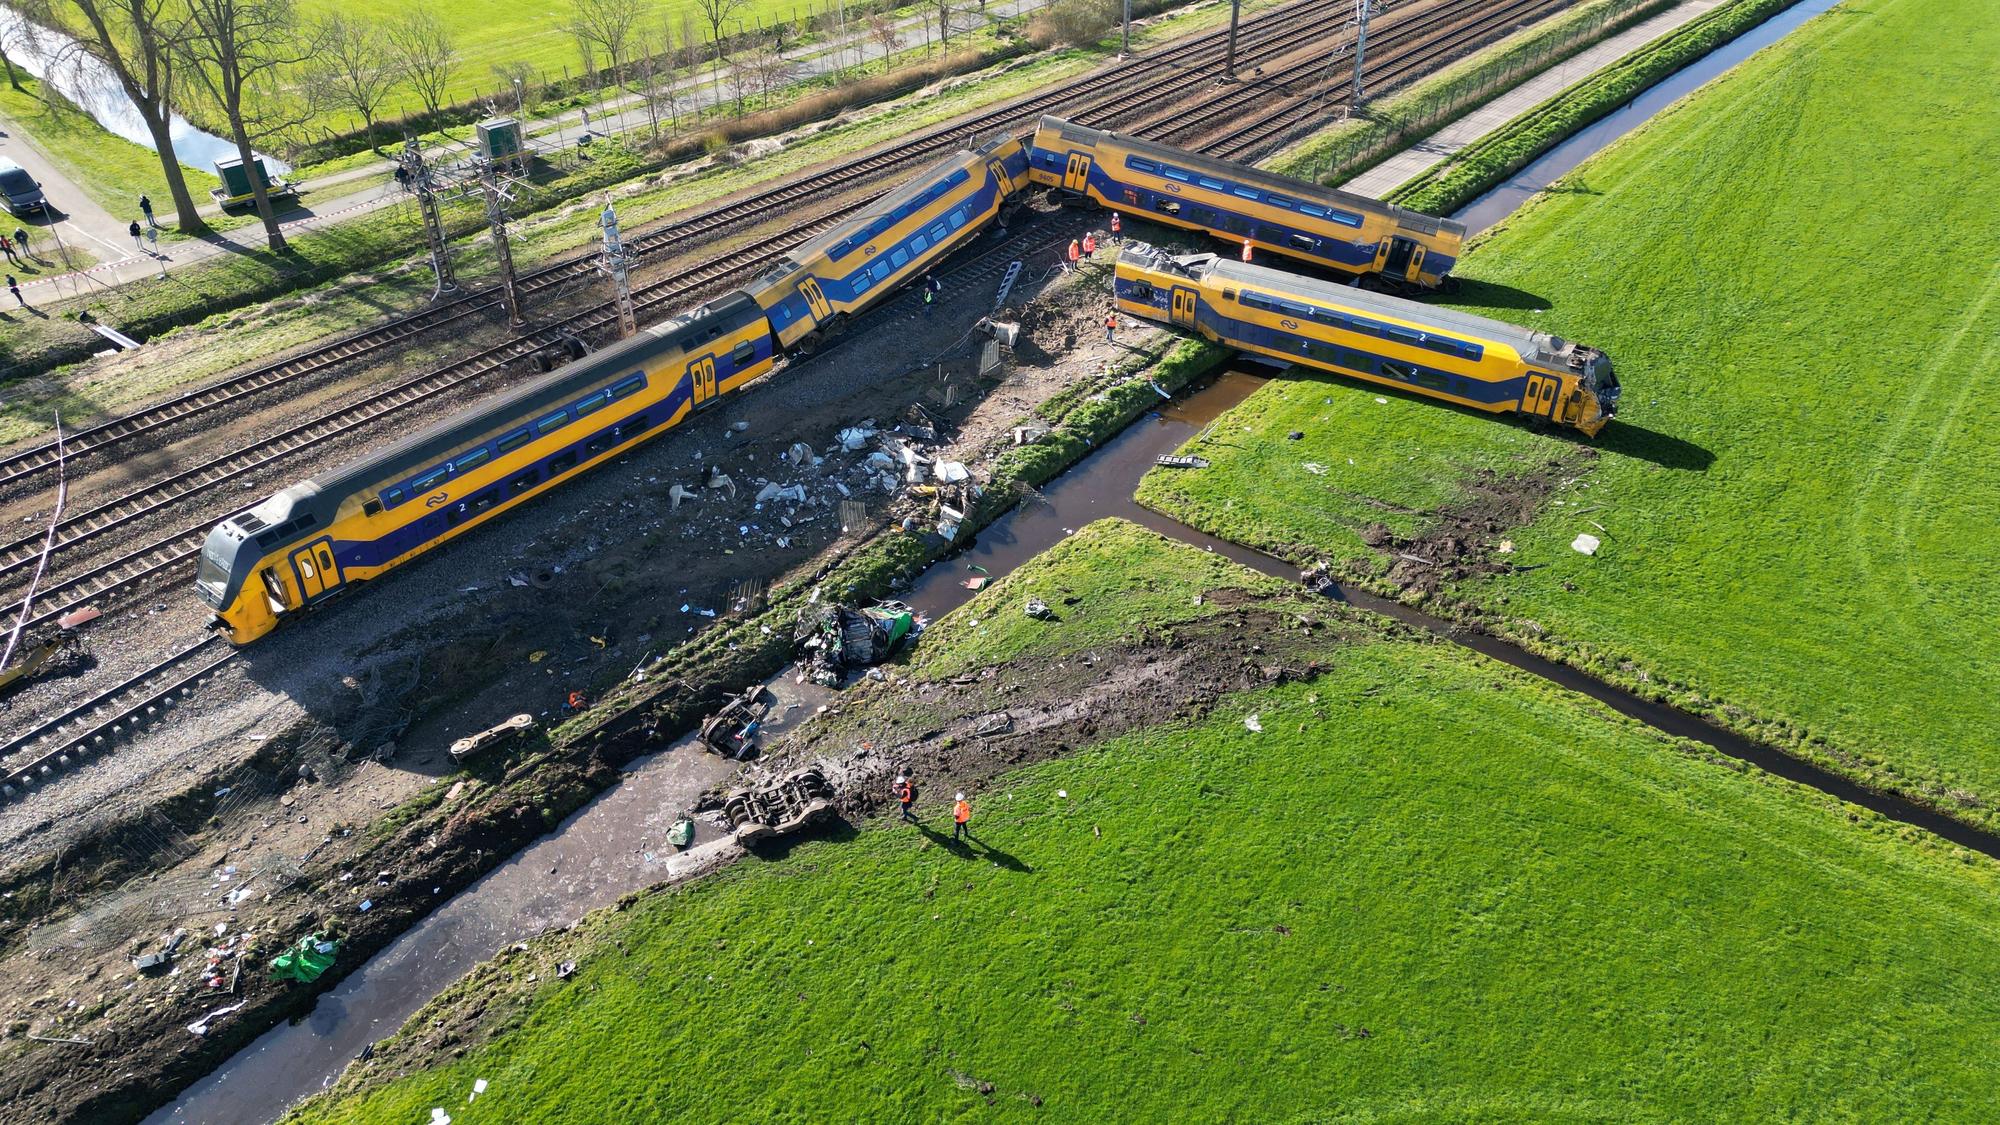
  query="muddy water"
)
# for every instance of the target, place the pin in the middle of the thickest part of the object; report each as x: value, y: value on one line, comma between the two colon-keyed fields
x: 1499, y: 203
x: 615, y: 844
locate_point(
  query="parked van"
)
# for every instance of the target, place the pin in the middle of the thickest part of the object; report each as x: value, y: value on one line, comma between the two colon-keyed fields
x: 23, y: 194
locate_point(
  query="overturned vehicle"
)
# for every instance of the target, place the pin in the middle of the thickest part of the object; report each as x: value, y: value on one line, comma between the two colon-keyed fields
x: 836, y: 639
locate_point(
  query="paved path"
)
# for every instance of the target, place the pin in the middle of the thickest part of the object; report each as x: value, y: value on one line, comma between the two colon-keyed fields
x: 1412, y: 162
x: 74, y: 217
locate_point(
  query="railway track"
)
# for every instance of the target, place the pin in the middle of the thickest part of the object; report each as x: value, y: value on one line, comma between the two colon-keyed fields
x: 674, y: 234
x: 1455, y: 32
x: 98, y: 723
x: 144, y: 566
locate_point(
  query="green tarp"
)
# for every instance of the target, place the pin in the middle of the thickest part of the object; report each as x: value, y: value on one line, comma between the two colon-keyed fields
x: 305, y: 961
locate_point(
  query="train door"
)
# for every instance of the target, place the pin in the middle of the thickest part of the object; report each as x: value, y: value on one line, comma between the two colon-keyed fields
x: 317, y: 571
x: 998, y: 171
x: 1076, y: 177
x: 815, y: 298
x: 1397, y: 264
x: 1183, y: 306
x: 701, y: 373
x: 1539, y: 399
x: 1416, y: 265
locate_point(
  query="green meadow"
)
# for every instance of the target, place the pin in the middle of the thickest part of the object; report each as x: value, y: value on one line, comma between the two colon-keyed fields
x: 1430, y: 888
x: 1794, y: 270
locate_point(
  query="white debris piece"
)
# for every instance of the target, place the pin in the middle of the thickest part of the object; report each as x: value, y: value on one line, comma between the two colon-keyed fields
x: 952, y: 472
x: 1315, y: 468
x: 1254, y: 723
x: 854, y: 437
x: 1586, y: 543
x: 802, y: 455
x: 774, y: 491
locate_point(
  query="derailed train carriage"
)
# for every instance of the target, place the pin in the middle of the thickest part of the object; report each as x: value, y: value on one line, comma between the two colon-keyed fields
x: 1335, y: 230
x: 1476, y: 362
x: 318, y: 538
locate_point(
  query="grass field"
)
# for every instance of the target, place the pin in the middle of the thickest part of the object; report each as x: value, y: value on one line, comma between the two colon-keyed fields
x: 111, y: 169
x: 1796, y: 499
x: 1431, y: 888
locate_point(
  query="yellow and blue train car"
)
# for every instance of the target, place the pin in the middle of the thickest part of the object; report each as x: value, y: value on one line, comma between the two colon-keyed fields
x: 318, y: 538
x: 824, y: 283
x: 1479, y: 363
x: 1332, y: 229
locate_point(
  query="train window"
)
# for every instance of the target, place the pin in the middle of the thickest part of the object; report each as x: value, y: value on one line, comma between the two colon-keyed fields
x: 431, y: 479
x: 562, y: 462
x: 1299, y: 311
x: 1401, y: 371
x: 1304, y: 242
x: 918, y: 243
x: 553, y: 422
x: 526, y: 481
x: 1344, y: 218
x: 1247, y: 193
x: 510, y: 442
x: 394, y: 496
x: 1211, y: 183
x: 1138, y: 164
x: 636, y: 424
x: 1177, y: 174
x: 627, y: 386
x: 1167, y: 206
x: 861, y: 282
x: 372, y: 507
x: 1142, y: 291
x: 472, y: 460
x: 1403, y: 336
x: 938, y: 231
x: 592, y: 404
x: 957, y: 218
x: 484, y: 500
x: 1229, y: 294
x: 1286, y: 201
x: 879, y: 271
x: 744, y: 353
x: 1313, y: 209
x: 899, y: 257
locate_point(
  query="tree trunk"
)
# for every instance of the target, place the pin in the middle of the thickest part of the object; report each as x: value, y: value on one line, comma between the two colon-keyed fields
x: 274, y: 235
x: 13, y: 79
x: 155, y: 117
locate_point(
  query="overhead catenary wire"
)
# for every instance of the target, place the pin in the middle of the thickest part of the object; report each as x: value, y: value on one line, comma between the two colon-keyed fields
x: 48, y: 546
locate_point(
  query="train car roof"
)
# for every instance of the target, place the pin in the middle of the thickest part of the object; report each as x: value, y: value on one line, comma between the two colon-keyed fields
x: 1529, y: 343
x: 896, y: 197
x: 1416, y: 220
x: 435, y: 442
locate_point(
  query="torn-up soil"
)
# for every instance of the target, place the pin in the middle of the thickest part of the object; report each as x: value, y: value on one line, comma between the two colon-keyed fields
x: 1463, y: 540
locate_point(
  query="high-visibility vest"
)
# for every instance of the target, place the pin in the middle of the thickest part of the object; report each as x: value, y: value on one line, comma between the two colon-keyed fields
x: 576, y: 699
x: 1114, y: 222
x: 1074, y: 253
x: 903, y: 792
x: 961, y: 812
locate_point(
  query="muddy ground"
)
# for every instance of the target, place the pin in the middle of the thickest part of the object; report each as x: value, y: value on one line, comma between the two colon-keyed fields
x: 241, y: 809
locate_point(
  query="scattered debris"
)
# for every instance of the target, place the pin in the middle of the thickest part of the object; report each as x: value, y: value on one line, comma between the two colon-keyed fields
x: 1295, y: 435
x: 1030, y: 434
x: 305, y: 961
x: 1315, y: 468
x: 835, y: 638
x: 1169, y: 461
x: 466, y: 747
x: 200, y: 1026
x: 1037, y: 609
x: 1586, y: 543
x: 160, y: 958
x: 1253, y: 723
x: 976, y: 582
x: 854, y: 437
x: 1000, y: 722
x: 682, y: 833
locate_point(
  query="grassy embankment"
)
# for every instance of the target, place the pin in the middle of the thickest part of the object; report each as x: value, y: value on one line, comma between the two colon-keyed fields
x: 110, y: 169
x: 1796, y: 497
x: 1430, y: 887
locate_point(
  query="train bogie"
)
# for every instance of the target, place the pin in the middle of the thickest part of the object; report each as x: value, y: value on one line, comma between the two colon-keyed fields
x: 1277, y: 214
x: 1473, y: 361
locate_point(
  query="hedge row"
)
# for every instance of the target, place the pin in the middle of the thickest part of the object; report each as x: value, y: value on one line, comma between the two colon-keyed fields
x: 1505, y: 151
x: 1389, y: 126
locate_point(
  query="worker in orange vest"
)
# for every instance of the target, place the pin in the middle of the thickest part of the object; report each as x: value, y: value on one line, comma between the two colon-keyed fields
x: 1246, y: 249
x: 1111, y: 326
x: 1090, y: 244
x: 1075, y: 252
x: 905, y: 794
x: 961, y: 813
x: 574, y: 703
x: 1114, y: 224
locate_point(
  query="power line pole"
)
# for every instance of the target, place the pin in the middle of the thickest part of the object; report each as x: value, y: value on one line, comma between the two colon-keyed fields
x: 1229, y: 65
x: 1361, y: 9
x: 1125, y: 47
x: 416, y: 178
x: 496, y: 221
x: 614, y: 264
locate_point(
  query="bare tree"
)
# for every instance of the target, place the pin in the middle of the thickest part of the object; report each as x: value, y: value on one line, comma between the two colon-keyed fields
x: 521, y: 78
x: 134, y: 39
x: 18, y: 32
x: 716, y: 14
x: 356, y: 66
x: 608, y: 25
x: 658, y: 74
x: 771, y: 70
x: 238, y: 51
x: 425, y: 54
x: 882, y: 29
x: 691, y: 50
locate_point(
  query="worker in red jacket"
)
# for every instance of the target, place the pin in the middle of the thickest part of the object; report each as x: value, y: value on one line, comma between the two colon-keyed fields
x: 905, y: 794
x: 961, y: 817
